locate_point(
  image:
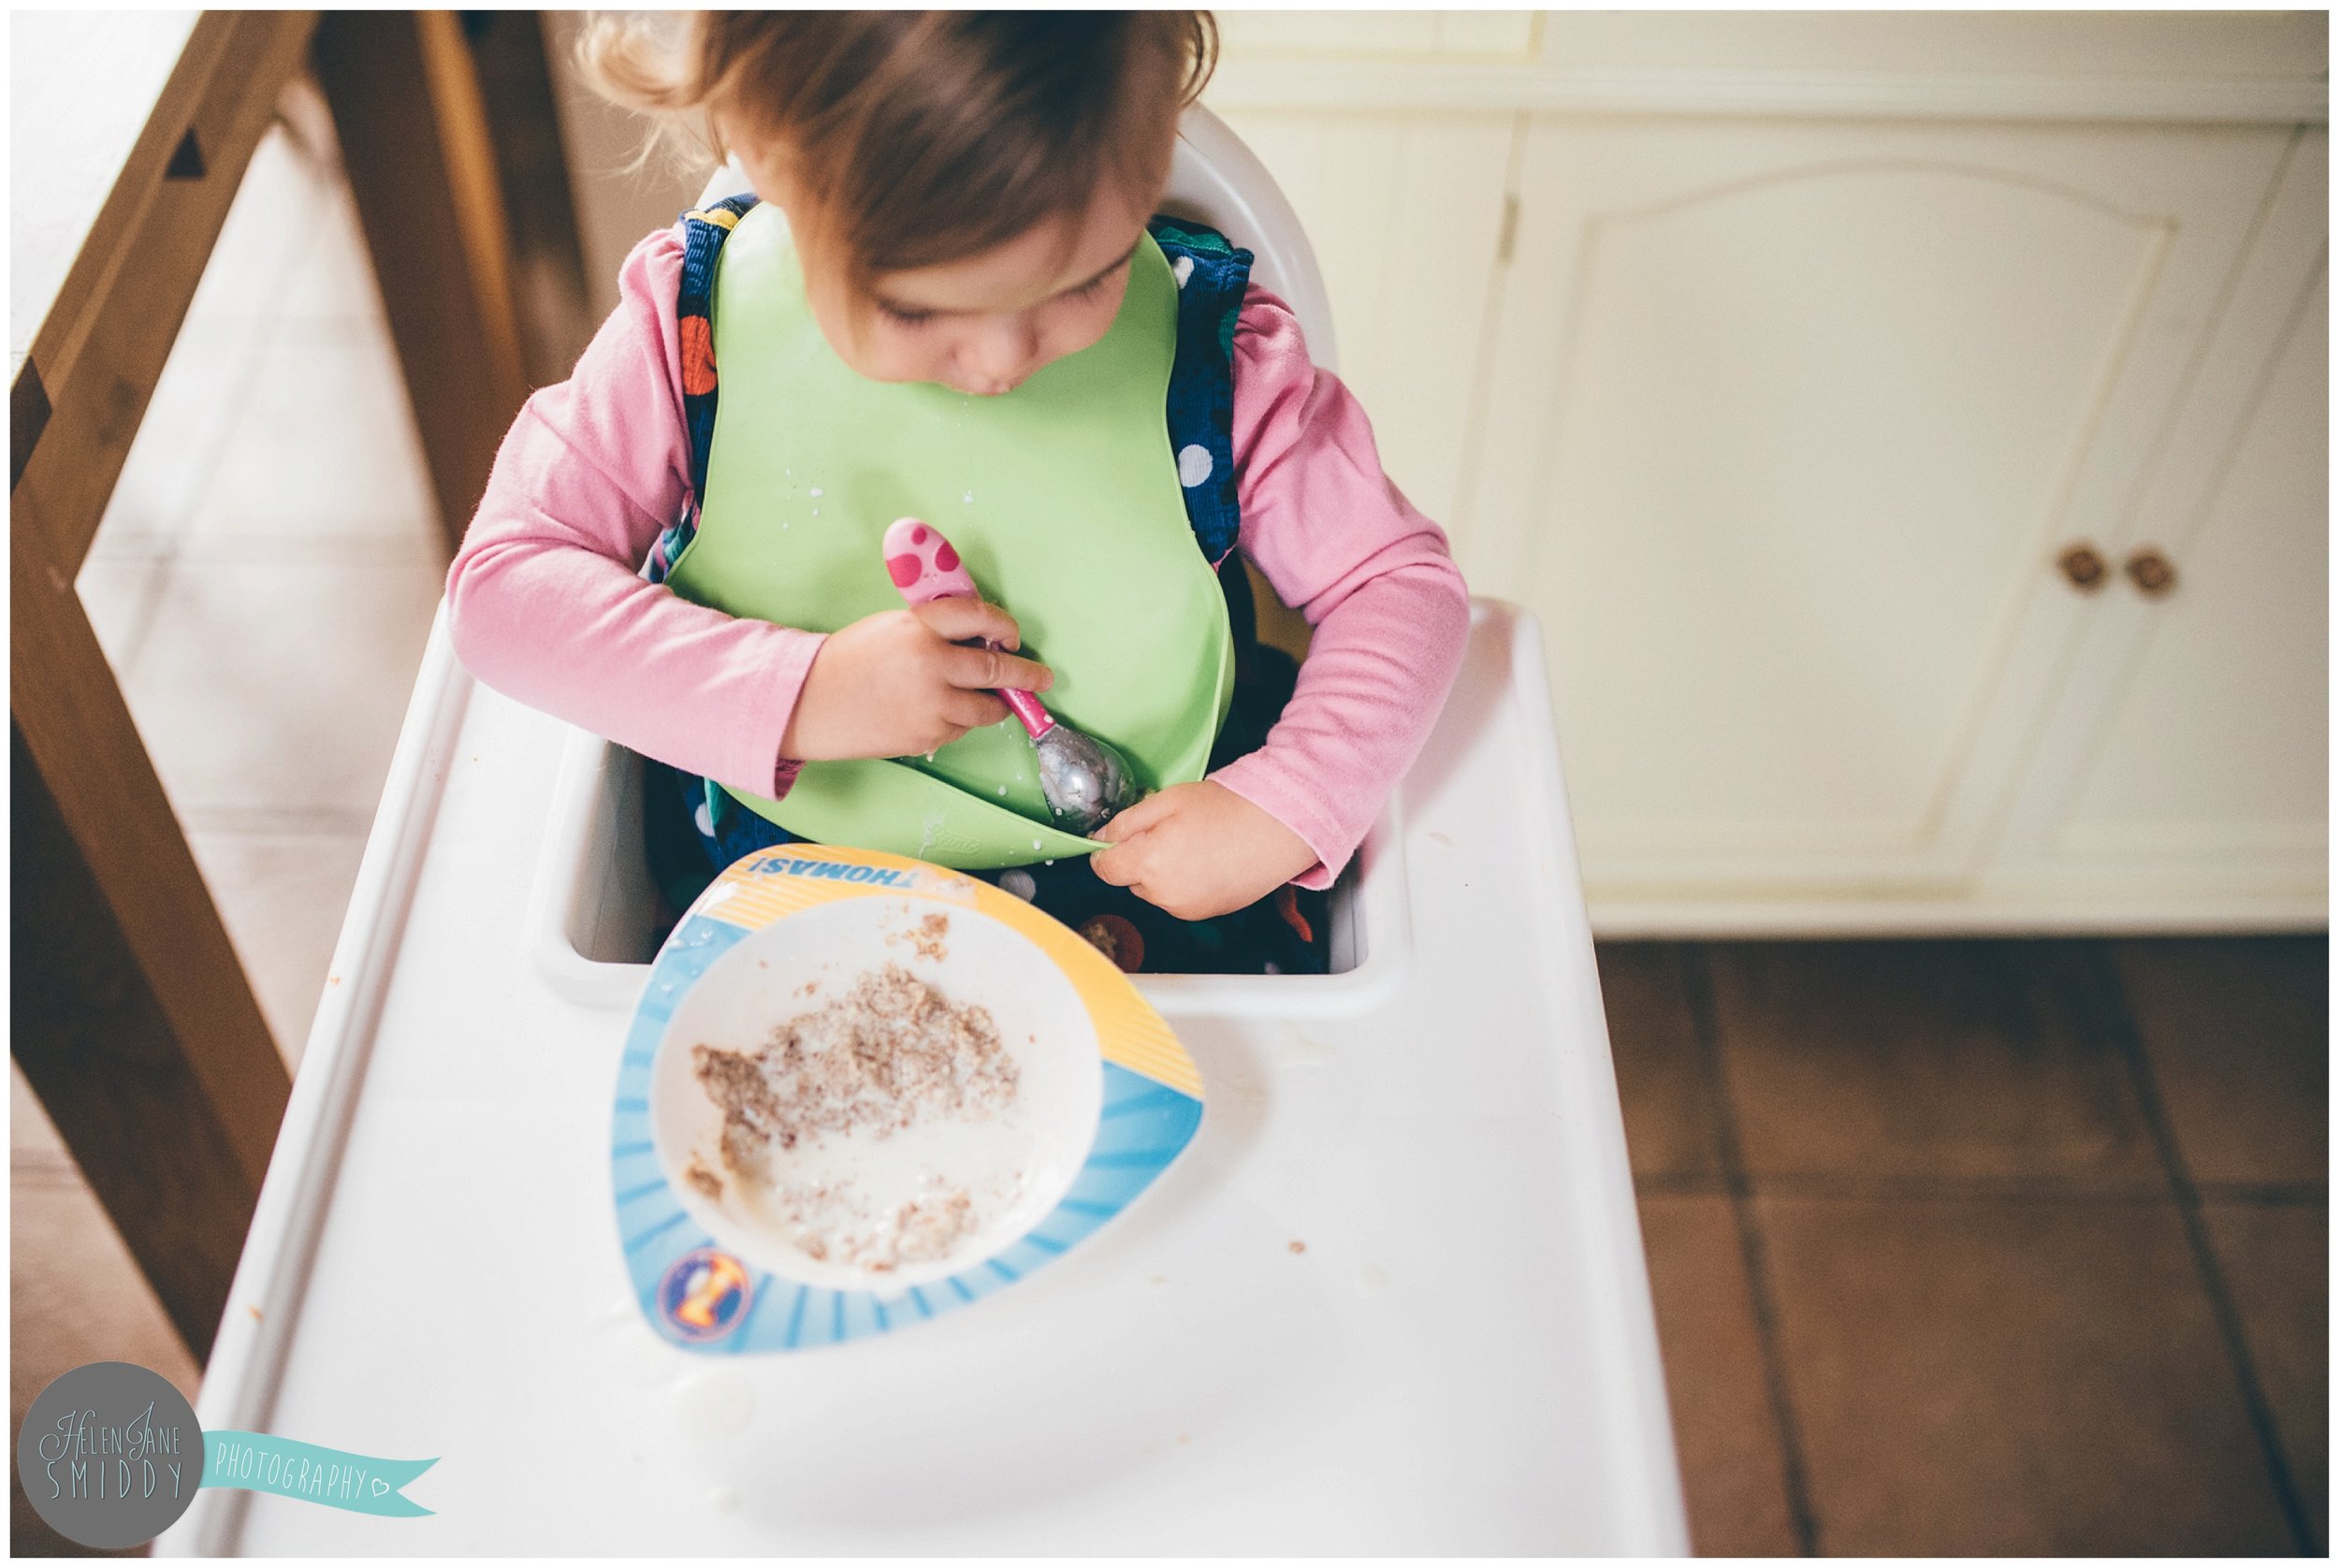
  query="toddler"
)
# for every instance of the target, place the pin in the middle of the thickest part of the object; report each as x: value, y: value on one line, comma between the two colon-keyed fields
x: 951, y: 297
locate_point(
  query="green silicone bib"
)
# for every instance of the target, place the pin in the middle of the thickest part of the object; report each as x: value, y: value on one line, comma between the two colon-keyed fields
x: 1063, y: 497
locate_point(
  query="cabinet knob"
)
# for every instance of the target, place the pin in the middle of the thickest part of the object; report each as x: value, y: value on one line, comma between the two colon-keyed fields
x: 2083, y: 567
x: 2154, y: 573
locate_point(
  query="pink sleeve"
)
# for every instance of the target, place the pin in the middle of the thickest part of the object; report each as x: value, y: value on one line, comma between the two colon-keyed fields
x: 1342, y: 545
x: 545, y: 602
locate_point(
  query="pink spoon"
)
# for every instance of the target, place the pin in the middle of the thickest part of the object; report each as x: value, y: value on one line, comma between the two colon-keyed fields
x: 1084, y: 780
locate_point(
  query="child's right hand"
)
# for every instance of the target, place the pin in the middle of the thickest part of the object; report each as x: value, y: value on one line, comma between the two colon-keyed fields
x: 904, y: 682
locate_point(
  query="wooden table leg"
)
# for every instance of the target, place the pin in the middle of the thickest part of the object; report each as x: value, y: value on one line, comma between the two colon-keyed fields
x: 130, y: 1016
x: 415, y: 142
x: 132, y: 1019
x: 515, y: 81
x: 128, y: 1012
x: 76, y: 403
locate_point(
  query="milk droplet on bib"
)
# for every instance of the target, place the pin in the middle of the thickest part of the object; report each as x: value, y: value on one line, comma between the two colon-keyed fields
x: 970, y: 498
x: 1002, y: 789
x: 1035, y: 844
x: 816, y: 489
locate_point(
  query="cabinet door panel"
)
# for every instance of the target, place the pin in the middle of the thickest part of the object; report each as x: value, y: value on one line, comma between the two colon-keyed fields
x: 1784, y: 422
x: 1406, y: 214
x: 2185, y: 761
x: 2223, y: 732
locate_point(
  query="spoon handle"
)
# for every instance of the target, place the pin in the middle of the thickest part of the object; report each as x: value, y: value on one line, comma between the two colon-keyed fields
x: 926, y: 567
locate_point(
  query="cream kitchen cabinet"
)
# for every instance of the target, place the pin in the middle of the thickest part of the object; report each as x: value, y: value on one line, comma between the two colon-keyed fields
x: 2183, y: 771
x: 1779, y: 406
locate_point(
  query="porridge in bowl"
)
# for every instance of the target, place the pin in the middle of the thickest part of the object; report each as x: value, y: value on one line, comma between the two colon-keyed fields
x: 888, y: 1061
x: 874, y: 1094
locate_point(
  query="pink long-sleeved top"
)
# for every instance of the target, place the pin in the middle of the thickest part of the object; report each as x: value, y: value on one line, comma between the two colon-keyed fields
x: 546, y: 604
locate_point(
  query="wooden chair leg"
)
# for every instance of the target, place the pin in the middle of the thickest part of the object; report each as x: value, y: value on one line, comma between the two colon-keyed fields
x: 128, y: 1012
x: 414, y: 140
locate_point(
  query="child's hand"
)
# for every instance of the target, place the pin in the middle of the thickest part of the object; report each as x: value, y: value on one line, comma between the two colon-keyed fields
x: 1198, y: 850
x: 898, y: 683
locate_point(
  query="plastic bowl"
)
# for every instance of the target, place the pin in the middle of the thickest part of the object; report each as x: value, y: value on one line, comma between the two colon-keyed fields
x: 762, y: 981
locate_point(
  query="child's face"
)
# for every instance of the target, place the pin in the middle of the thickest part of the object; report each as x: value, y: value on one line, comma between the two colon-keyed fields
x: 983, y: 325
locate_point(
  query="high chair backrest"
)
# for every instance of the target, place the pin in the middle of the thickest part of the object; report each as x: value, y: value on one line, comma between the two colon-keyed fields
x: 1215, y: 178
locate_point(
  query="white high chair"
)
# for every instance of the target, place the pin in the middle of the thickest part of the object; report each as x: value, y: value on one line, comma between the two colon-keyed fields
x: 1391, y: 1299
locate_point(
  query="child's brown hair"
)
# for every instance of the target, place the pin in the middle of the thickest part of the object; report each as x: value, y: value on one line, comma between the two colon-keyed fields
x: 924, y: 137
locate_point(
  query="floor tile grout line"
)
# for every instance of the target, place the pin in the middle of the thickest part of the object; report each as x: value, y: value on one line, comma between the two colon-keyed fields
x: 277, y: 822
x: 1697, y: 988
x: 149, y: 603
x: 2126, y: 1037
x: 2266, y: 1194
x: 182, y: 545
x: 251, y: 351
x: 1820, y: 1186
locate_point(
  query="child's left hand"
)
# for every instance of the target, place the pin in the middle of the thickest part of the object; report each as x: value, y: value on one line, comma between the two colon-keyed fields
x: 1199, y: 849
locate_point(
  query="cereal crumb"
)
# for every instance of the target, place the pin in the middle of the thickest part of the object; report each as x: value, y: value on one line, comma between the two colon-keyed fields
x: 255, y: 1314
x: 703, y: 1179
x: 927, y: 939
x: 1299, y: 1247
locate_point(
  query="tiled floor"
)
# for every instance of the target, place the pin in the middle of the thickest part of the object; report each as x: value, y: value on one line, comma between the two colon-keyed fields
x: 1957, y: 1247
x: 1986, y: 1247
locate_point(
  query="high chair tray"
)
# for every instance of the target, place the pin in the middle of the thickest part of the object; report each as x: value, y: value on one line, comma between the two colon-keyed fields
x: 1391, y: 1299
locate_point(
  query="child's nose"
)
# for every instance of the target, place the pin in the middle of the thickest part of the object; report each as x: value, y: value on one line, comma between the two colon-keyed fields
x: 1006, y: 351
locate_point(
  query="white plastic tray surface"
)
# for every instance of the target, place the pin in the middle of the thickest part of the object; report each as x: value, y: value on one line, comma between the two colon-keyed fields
x: 1392, y: 1298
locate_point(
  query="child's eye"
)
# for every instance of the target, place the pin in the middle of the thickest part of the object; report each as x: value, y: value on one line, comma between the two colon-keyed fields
x: 1094, y: 285
x: 905, y: 316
